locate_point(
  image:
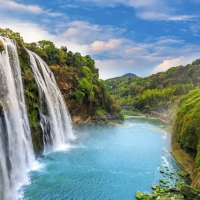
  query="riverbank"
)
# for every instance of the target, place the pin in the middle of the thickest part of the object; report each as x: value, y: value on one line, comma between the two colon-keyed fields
x: 186, y: 159
x: 106, y: 119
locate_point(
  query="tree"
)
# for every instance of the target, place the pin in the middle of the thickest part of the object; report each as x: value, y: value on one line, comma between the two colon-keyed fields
x: 52, y: 52
x: 87, y: 73
x: 12, y: 35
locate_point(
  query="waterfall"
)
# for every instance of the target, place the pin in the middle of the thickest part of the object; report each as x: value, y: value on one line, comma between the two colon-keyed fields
x: 54, y: 118
x: 16, y: 149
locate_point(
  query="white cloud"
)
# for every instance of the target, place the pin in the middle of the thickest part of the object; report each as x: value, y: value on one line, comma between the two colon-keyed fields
x: 114, y: 54
x: 33, y: 33
x: 132, y: 3
x: 166, y: 64
x: 12, y: 6
x: 112, y: 68
x: 84, y: 32
x: 160, y: 16
x: 101, y: 46
x: 150, y: 9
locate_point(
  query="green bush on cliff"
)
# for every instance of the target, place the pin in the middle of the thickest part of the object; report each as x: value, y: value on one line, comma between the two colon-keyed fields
x: 12, y: 35
x: 79, y: 95
x: 1, y: 46
x: 186, y: 128
x: 99, y: 112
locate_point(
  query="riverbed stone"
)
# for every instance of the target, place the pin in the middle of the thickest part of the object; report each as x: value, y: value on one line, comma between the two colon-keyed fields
x: 162, y: 170
x: 163, y: 180
x: 183, y: 173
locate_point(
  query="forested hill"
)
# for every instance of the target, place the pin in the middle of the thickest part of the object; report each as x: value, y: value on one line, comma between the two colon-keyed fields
x: 85, y: 94
x: 120, y: 78
x: 159, y: 91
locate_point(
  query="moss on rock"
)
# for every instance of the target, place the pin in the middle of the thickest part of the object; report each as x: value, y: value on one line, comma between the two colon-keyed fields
x: 1, y: 46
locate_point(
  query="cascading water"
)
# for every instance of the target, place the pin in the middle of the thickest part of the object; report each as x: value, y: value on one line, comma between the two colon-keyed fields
x: 16, y: 149
x: 55, y: 120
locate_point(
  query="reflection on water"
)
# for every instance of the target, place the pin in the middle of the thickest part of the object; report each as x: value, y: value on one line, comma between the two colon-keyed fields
x: 105, y: 162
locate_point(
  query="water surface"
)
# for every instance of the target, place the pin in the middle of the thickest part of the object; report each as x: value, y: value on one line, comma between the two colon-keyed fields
x: 105, y: 162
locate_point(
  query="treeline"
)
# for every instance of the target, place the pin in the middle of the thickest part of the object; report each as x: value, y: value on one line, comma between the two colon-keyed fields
x: 88, y: 94
x: 158, y: 91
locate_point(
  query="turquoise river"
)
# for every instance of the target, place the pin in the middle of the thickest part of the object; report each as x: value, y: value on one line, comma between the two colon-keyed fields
x: 104, y: 162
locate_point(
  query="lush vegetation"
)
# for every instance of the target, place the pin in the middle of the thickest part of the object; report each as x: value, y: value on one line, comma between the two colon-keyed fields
x: 157, y: 92
x: 12, y: 35
x: 76, y: 75
x: 186, y: 127
x: 86, y: 96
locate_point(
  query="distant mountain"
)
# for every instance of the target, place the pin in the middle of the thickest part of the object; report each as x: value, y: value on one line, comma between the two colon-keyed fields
x: 128, y: 75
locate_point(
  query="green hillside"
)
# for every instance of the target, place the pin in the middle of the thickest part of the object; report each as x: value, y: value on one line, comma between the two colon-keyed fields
x: 157, y: 92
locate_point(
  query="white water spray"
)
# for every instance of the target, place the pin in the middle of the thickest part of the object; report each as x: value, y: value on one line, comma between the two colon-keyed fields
x: 55, y: 120
x: 16, y: 149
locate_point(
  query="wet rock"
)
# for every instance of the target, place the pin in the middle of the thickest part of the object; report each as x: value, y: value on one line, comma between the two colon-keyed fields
x: 154, y: 187
x: 183, y: 174
x: 163, y: 181
x: 189, y: 193
x: 162, y: 170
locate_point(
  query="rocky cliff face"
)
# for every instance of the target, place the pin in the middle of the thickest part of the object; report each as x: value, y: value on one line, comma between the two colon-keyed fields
x: 71, y: 80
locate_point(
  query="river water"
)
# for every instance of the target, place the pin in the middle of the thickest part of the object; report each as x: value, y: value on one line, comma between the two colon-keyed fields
x: 104, y: 162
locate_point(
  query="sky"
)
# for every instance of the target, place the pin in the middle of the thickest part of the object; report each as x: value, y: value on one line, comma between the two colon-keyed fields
x: 122, y: 36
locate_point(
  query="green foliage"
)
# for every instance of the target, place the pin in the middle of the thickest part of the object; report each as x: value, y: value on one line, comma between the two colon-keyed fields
x: 79, y: 95
x: 85, y: 86
x: 196, y: 62
x: 158, y: 91
x: 51, y: 51
x: 159, y: 99
x: 99, y: 112
x: 1, y: 46
x: 79, y: 72
x: 12, y: 35
x: 87, y: 73
x: 186, y: 126
x: 119, y: 115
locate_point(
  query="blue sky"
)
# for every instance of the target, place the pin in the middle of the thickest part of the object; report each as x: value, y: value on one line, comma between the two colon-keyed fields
x: 122, y: 36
